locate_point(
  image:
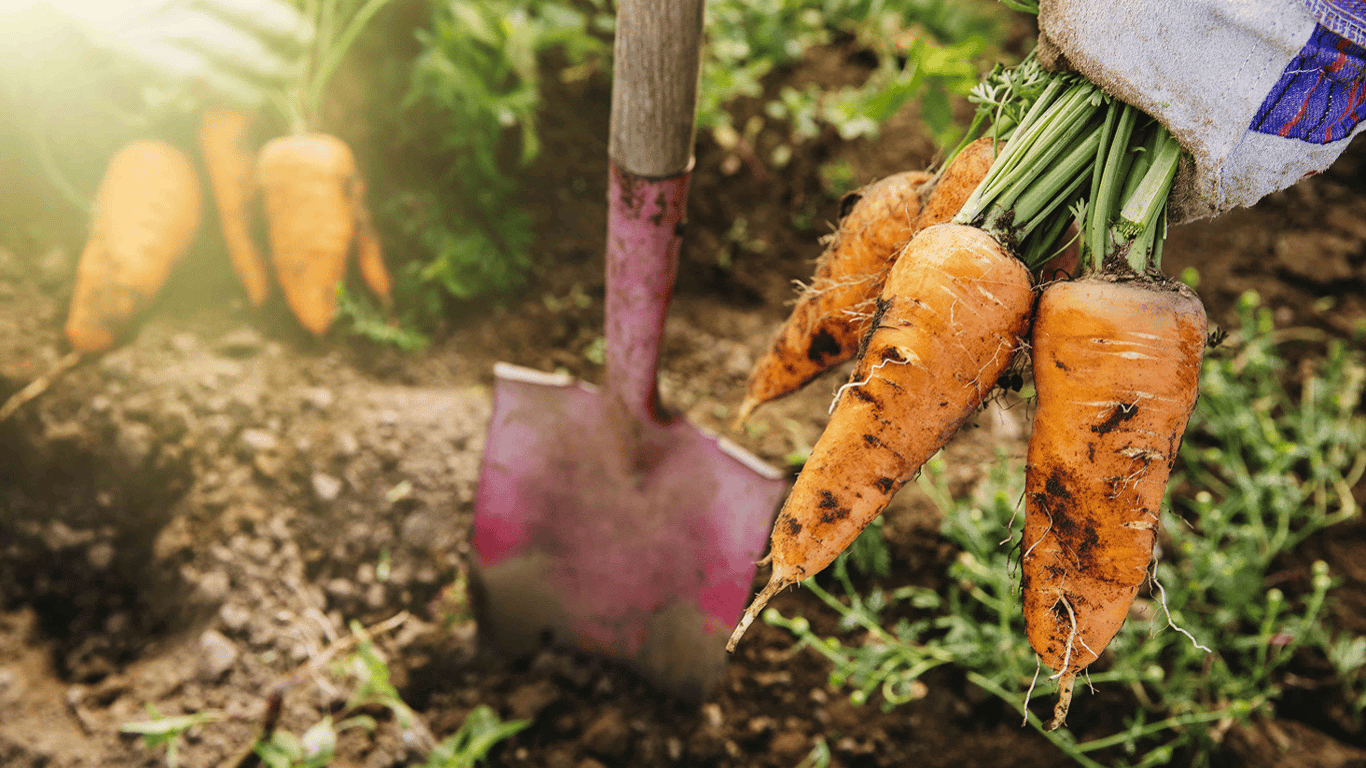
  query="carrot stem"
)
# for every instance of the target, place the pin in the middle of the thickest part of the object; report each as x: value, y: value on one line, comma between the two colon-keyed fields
x: 1108, y: 180
x: 1143, y: 160
x: 1098, y: 171
x: 335, y: 52
x: 1055, y: 186
x: 1141, y: 208
x: 1003, y: 97
x: 1039, y: 161
x: 1000, y: 174
x: 1052, y: 141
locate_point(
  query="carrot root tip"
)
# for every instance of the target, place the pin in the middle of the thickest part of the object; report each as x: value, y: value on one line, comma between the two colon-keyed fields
x: 1064, y: 701
x: 760, y: 600
x: 746, y: 408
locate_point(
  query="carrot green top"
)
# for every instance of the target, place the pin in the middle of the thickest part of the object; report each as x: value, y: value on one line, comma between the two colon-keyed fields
x: 1073, y: 153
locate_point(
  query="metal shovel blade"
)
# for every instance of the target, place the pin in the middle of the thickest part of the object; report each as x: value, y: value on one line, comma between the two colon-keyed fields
x: 638, y: 545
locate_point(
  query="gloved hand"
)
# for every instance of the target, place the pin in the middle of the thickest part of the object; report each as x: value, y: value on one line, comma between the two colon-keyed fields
x: 237, y: 49
x: 1261, y: 94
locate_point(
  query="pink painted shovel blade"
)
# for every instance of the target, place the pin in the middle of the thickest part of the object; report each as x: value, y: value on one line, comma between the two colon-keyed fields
x: 642, y: 555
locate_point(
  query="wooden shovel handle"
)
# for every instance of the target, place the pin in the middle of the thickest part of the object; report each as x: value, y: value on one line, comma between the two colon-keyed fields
x: 657, y: 60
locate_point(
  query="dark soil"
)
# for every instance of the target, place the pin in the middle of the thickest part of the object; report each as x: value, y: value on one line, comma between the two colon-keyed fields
x: 198, y: 515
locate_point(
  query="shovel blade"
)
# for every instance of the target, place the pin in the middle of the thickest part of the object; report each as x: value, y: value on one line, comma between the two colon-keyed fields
x: 631, y: 539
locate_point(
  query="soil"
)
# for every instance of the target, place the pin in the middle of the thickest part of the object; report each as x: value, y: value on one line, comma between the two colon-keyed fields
x: 199, y: 515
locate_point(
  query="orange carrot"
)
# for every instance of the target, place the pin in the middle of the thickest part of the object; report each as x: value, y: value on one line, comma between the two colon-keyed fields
x: 957, y: 182
x: 313, y: 200
x: 834, y: 313
x: 952, y: 312
x: 1116, y: 366
x: 147, y: 212
x: 370, y: 256
x: 230, y: 163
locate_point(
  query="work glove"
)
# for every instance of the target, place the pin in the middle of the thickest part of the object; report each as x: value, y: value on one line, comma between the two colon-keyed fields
x: 228, y: 50
x: 1261, y: 94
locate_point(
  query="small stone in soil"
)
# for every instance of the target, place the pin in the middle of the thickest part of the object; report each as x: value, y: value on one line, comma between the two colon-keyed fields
x: 326, y: 487
x: 214, y: 586
x: 609, y: 735
x: 340, y: 589
x: 375, y: 597
x: 243, y: 342
x: 319, y: 398
x: 217, y: 655
x: 136, y: 442
x: 419, y: 529
x: 184, y: 343
x: 258, y: 440
x: 100, y: 555
x: 234, y: 617
x: 527, y: 701
x: 346, y: 444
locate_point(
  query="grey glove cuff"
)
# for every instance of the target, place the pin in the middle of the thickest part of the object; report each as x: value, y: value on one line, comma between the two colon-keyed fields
x: 1251, y: 90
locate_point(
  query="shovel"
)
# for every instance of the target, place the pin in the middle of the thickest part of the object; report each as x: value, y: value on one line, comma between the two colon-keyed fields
x: 603, y: 521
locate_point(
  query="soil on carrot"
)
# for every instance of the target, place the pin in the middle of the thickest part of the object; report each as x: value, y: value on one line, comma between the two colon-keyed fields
x: 198, y: 516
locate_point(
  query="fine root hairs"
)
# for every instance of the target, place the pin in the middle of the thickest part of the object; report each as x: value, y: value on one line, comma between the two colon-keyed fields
x: 822, y: 285
x: 1071, y: 642
x: 1038, y: 665
x: 1162, y: 599
x: 840, y: 392
x: 1042, y: 536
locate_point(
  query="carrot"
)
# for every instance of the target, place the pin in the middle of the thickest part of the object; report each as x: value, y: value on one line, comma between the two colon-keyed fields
x: 230, y: 164
x: 147, y: 212
x: 949, y: 319
x: 370, y: 257
x: 314, y: 209
x: 834, y: 313
x: 956, y: 182
x: 1116, y: 367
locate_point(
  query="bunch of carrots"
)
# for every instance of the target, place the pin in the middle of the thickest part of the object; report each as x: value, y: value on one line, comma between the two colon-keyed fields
x: 147, y: 211
x: 935, y: 286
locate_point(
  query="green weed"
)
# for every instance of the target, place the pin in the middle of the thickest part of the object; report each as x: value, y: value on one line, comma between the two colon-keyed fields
x: 924, y: 49
x: 470, y: 745
x: 1265, y: 465
x: 162, y: 731
x: 470, y: 109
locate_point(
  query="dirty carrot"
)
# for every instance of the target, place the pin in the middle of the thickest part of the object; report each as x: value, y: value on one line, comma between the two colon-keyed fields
x: 955, y: 184
x: 1116, y: 360
x: 834, y: 312
x: 311, y: 189
x: 230, y: 162
x: 147, y: 212
x: 950, y: 316
x: 1116, y: 367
